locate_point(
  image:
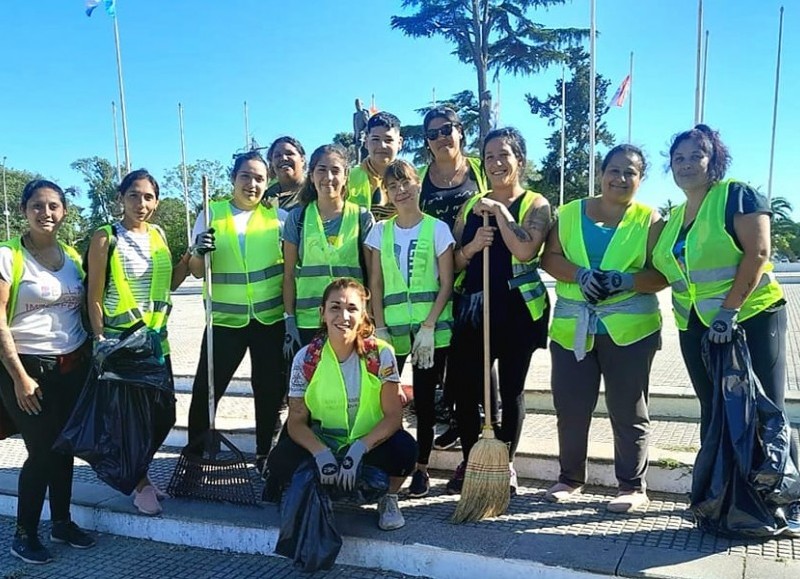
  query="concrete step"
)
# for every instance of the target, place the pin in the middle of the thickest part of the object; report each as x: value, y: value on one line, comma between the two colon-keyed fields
x: 673, y: 446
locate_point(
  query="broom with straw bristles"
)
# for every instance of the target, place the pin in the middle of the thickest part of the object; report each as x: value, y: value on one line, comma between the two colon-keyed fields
x: 486, y: 491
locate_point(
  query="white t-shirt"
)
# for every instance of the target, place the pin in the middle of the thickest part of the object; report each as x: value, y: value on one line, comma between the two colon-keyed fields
x: 405, y: 243
x: 137, y: 263
x: 351, y: 372
x: 240, y: 220
x: 47, y: 316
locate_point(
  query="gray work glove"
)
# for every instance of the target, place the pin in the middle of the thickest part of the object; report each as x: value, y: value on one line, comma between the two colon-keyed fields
x: 423, y: 348
x: 349, y: 468
x: 327, y: 467
x: 291, y: 338
x: 383, y: 334
x: 203, y: 243
x: 591, y: 283
x: 721, y: 329
x: 615, y: 282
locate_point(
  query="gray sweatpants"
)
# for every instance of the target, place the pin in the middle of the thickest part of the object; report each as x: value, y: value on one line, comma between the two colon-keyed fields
x: 576, y: 386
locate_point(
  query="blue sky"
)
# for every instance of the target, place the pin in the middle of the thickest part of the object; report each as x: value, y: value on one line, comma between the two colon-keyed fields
x: 299, y: 65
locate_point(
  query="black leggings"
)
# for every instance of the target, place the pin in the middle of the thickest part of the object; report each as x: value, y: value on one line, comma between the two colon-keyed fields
x: 465, y: 378
x: 44, y: 470
x: 766, y: 340
x: 425, y: 382
x: 397, y: 456
x: 265, y: 343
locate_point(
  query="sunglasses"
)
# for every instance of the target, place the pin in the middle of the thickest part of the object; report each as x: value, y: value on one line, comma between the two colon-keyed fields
x: 444, y: 131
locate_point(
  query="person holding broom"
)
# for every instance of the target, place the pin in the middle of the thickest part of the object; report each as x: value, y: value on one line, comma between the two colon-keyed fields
x: 45, y: 357
x: 130, y: 279
x: 411, y: 283
x: 343, y: 404
x: 247, y: 306
x: 606, y: 323
x: 518, y: 222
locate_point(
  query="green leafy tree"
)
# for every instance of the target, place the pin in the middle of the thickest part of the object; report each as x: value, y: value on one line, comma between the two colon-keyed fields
x: 785, y: 232
x: 219, y: 184
x: 492, y: 36
x: 348, y: 142
x: 576, y: 165
x: 666, y: 209
x: 466, y: 105
x: 171, y: 216
x: 100, y: 178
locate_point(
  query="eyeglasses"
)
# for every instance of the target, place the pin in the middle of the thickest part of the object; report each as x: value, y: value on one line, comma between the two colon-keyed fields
x: 445, y: 131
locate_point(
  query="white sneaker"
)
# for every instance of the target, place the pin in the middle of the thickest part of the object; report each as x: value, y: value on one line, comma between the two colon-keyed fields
x: 389, y: 515
x: 628, y: 501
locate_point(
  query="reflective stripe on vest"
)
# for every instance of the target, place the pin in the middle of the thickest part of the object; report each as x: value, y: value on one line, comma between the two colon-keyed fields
x: 626, y: 252
x: 127, y: 311
x: 525, y: 274
x: 250, y: 285
x: 358, y: 188
x: 18, y: 266
x: 711, y: 261
x: 327, y: 400
x: 324, y: 261
x: 407, y: 305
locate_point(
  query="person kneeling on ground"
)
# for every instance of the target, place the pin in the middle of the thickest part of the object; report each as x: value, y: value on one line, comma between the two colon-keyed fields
x: 343, y: 404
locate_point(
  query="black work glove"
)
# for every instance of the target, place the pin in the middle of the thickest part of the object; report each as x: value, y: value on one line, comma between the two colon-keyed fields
x: 204, y: 243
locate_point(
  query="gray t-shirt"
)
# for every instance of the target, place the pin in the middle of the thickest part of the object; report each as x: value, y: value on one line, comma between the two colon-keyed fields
x: 351, y: 372
x: 291, y: 229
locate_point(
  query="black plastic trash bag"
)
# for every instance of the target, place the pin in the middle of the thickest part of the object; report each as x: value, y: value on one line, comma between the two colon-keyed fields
x: 125, y: 411
x: 743, y: 475
x: 308, y: 534
x: 372, y: 483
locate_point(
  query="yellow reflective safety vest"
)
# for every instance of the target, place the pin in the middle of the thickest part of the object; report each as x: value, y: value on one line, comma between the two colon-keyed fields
x: 326, y: 399
x: 250, y: 285
x: 628, y: 316
x: 407, y: 305
x: 477, y: 171
x: 525, y: 274
x: 17, y: 266
x: 325, y: 260
x: 711, y: 260
x: 359, y: 190
x: 127, y: 311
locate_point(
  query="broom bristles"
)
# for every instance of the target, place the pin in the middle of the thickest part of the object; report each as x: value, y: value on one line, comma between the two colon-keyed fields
x: 486, y: 489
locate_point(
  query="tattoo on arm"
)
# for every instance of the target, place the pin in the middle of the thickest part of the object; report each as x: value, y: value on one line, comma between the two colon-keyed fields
x: 539, y: 219
x: 521, y: 234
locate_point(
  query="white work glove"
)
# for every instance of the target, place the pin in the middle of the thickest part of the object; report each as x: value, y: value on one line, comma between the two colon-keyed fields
x: 422, y: 350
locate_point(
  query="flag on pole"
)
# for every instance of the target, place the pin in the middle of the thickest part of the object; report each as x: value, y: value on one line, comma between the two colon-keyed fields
x: 622, y: 93
x: 110, y: 6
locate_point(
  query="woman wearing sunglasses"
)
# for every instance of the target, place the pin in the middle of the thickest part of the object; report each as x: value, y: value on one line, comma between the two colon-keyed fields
x: 448, y: 182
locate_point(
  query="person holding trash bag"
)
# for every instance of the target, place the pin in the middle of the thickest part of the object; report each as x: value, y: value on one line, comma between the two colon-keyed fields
x: 411, y: 283
x: 448, y: 181
x: 519, y: 306
x: 45, y: 355
x: 323, y: 239
x: 714, y: 252
x: 130, y: 276
x: 343, y: 404
x: 606, y: 323
x: 247, y: 307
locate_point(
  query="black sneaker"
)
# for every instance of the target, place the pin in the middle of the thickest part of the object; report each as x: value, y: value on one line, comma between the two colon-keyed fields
x: 420, y: 485
x: 447, y: 439
x: 30, y: 549
x: 71, y: 534
x: 455, y: 484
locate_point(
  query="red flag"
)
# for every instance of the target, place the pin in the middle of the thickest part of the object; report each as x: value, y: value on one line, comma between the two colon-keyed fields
x: 622, y: 93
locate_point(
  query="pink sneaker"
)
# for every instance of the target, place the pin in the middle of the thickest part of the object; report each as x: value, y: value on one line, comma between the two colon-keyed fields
x: 146, y: 501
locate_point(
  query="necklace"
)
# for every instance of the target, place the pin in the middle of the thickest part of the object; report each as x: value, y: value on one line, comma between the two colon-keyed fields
x: 40, y: 255
x: 456, y: 174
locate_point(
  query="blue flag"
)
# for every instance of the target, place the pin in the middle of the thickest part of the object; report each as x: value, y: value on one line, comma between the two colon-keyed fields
x: 110, y: 6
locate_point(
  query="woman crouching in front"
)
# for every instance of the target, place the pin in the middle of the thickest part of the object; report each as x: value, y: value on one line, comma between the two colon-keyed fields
x: 343, y: 404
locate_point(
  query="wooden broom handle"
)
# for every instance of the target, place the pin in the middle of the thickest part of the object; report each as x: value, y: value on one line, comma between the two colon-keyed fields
x: 487, y: 358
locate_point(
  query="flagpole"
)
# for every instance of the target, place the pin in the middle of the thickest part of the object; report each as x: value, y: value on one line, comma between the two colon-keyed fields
x: 246, y: 129
x: 592, y: 45
x: 116, y: 139
x: 122, y: 98
x: 705, y: 71
x: 185, y: 176
x: 433, y: 97
x: 775, y: 109
x: 699, y: 58
x: 5, y: 201
x: 562, y: 152
x: 630, y: 99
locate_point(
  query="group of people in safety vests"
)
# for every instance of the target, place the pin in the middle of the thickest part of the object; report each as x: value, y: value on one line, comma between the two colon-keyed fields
x: 333, y: 278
